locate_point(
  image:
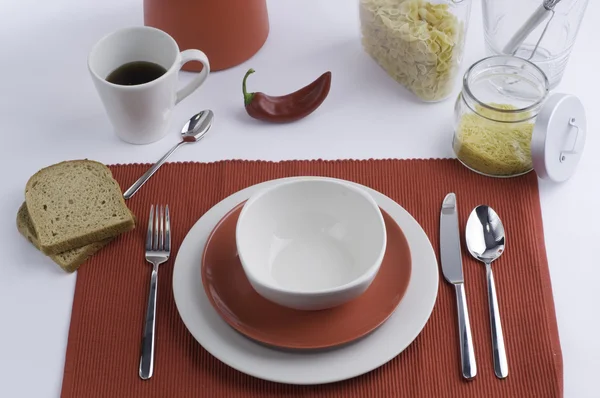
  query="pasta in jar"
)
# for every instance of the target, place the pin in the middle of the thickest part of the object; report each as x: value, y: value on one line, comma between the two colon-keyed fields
x: 494, y: 143
x: 418, y: 43
x: 496, y: 114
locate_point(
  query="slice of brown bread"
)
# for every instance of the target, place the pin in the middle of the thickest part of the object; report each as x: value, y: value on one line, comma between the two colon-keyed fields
x: 75, y: 203
x: 69, y: 260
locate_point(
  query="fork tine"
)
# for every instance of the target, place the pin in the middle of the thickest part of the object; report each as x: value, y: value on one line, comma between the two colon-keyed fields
x: 167, y: 230
x: 149, y: 234
x: 155, y: 242
x: 161, y: 240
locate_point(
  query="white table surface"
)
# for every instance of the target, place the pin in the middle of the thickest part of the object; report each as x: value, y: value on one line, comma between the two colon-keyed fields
x: 49, y: 112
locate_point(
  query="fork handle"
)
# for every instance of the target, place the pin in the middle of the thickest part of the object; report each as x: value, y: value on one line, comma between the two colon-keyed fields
x: 147, y: 356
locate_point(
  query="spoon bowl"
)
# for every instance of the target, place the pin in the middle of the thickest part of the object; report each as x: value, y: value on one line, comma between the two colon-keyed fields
x: 485, y: 234
x: 198, y: 125
x: 485, y: 241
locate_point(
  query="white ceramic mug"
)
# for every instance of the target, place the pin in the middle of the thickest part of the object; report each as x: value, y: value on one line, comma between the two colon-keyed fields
x: 140, y: 114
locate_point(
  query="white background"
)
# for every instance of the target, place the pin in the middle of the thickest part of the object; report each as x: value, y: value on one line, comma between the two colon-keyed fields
x: 49, y: 112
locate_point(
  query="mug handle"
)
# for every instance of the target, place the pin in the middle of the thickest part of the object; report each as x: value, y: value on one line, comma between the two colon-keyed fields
x: 193, y: 55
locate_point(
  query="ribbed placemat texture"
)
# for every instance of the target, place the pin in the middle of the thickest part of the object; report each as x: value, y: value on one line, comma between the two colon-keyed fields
x: 111, y: 292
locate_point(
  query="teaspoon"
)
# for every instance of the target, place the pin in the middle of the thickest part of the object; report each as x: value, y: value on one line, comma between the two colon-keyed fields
x: 485, y: 241
x: 193, y: 131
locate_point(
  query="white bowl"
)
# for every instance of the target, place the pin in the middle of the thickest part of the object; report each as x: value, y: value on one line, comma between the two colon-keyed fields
x: 311, y: 244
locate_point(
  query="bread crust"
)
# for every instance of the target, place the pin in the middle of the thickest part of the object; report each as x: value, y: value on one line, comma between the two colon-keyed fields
x: 70, y: 260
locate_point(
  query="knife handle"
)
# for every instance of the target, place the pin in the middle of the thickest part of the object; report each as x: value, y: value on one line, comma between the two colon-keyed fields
x: 467, y: 354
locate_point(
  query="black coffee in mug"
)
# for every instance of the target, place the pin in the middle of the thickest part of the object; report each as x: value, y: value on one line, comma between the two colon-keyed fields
x: 134, y: 73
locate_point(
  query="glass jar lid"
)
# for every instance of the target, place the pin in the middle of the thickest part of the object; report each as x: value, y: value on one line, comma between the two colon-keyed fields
x: 558, y: 137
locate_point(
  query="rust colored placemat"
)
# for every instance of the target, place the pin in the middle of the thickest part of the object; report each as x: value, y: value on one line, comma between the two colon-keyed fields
x: 111, y: 292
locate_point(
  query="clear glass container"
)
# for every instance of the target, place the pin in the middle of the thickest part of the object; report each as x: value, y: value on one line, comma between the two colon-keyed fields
x: 557, y: 29
x: 495, y: 115
x: 419, y: 43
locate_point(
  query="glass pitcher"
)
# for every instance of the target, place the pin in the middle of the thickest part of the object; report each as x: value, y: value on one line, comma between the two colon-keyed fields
x: 540, y: 31
x: 419, y: 43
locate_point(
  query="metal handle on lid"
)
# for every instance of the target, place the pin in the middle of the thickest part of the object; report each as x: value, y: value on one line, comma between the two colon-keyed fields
x: 579, y: 131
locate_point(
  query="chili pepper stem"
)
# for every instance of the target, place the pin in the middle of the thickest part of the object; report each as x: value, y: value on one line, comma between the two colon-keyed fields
x: 247, y: 96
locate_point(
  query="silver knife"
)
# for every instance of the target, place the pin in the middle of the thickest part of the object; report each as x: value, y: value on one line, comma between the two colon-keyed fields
x: 453, y: 273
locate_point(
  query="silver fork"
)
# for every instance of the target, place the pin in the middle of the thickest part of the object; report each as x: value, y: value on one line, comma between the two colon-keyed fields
x: 158, y: 249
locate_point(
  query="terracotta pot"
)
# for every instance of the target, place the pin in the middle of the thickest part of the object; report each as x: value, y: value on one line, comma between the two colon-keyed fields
x: 228, y: 31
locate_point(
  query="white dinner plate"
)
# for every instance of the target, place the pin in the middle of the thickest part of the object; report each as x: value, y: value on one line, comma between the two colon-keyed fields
x: 312, y: 367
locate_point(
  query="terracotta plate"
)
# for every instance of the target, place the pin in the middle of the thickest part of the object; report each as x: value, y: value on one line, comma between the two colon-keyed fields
x: 246, y: 311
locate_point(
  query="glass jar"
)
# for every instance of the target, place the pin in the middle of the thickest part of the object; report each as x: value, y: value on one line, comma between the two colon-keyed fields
x: 506, y: 124
x: 548, y: 45
x: 419, y: 43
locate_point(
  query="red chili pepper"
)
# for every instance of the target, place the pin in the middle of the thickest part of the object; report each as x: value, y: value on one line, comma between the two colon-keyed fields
x: 290, y: 107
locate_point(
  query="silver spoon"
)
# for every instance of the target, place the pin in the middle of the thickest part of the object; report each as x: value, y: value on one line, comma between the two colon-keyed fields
x: 193, y: 131
x: 485, y: 241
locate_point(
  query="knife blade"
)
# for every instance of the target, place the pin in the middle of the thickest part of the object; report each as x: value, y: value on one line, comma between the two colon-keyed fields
x: 451, y: 260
